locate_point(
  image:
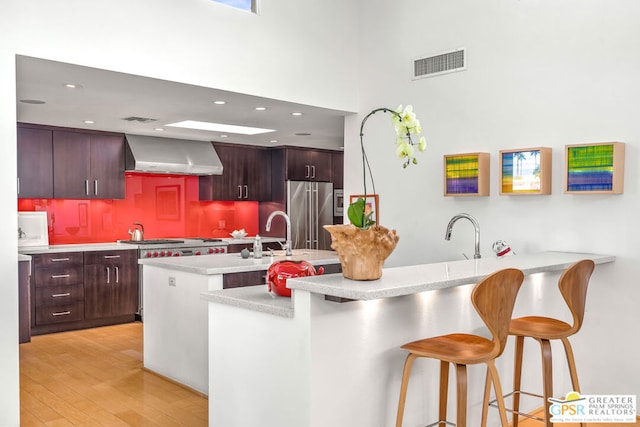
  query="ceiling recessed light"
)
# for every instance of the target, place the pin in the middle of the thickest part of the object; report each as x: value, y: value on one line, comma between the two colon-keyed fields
x: 32, y: 101
x: 224, y: 136
x: 89, y: 122
x: 219, y: 127
x: 159, y: 129
x: 273, y: 141
x: 72, y: 86
x: 261, y: 108
x: 219, y: 102
x: 296, y: 113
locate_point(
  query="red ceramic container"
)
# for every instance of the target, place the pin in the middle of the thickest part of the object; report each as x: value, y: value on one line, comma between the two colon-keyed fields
x: 280, y: 271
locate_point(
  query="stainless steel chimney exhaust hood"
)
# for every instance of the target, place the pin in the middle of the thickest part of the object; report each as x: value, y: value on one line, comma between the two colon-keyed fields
x: 171, y: 156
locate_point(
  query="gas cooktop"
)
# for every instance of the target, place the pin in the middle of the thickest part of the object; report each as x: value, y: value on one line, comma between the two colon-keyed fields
x: 151, y: 241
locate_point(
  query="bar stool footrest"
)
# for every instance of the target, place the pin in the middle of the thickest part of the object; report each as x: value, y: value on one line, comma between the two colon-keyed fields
x: 441, y: 421
x: 533, y: 417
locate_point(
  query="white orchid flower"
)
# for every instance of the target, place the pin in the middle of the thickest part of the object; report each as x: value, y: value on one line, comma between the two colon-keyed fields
x: 422, y: 144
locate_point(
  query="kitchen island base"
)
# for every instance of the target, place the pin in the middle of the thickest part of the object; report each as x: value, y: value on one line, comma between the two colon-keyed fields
x: 333, y: 364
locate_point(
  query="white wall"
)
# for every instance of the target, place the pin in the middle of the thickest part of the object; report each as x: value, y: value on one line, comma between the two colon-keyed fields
x: 301, y: 51
x: 540, y: 73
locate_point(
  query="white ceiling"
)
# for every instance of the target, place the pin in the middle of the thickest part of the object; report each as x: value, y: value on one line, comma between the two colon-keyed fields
x: 107, y: 97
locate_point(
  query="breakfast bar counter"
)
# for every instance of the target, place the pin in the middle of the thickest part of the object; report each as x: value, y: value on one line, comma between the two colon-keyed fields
x: 339, y: 364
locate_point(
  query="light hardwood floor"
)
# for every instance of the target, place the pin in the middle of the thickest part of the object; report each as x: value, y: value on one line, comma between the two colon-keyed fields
x: 94, y: 377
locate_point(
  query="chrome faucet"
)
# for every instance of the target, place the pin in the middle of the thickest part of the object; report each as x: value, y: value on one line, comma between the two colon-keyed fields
x: 287, y: 245
x: 476, y: 226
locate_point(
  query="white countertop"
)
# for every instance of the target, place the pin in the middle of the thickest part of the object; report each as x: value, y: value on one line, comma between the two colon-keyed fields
x: 256, y: 298
x: 234, y: 263
x: 400, y: 281
x: 114, y: 246
x: 80, y: 247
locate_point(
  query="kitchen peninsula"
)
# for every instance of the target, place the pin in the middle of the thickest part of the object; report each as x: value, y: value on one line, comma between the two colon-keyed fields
x: 339, y: 364
x: 176, y: 336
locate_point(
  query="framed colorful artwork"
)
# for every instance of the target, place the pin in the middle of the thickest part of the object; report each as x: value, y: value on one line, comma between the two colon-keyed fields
x: 596, y: 168
x: 525, y: 171
x: 466, y: 174
x: 371, y: 205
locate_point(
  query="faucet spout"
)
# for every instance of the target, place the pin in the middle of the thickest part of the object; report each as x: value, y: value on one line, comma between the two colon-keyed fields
x: 476, y: 227
x: 287, y: 245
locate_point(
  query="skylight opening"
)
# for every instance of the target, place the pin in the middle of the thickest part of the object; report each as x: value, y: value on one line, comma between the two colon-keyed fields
x: 219, y: 127
x: 248, y: 5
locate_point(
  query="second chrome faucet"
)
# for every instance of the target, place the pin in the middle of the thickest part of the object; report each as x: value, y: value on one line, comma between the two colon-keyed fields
x: 476, y: 227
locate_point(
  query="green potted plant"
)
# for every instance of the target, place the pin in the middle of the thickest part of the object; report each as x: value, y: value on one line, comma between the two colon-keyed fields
x: 363, y: 245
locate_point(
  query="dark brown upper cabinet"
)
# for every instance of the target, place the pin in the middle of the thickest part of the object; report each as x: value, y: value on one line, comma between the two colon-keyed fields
x: 88, y: 165
x: 246, y: 175
x: 308, y: 165
x: 35, y: 163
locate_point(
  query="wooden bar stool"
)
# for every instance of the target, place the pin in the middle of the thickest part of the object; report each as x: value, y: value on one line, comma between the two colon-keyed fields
x: 493, y: 299
x: 573, y: 287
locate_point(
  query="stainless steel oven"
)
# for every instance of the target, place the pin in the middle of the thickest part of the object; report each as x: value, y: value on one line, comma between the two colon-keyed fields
x: 163, y: 248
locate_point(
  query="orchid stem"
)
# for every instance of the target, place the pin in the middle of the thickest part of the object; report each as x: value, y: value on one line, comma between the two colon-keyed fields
x: 365, y: 160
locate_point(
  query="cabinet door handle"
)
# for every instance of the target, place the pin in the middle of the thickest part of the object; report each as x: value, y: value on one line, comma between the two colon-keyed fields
x: 61, y: 313
x: 246, y: 191
x: 117, y: 275
x: 313, y: 171
x: 307, y: 175
x: 59, y: 259
x: 95, y: 187
x: 108, y: 278
x: 66, y: 294
x: 111, y: 256
x: 239, y: 191
x: 60, y: 276
x: 86, y: 186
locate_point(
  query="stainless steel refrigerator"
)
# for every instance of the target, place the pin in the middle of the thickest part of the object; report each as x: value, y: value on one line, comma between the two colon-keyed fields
x: 310, y: 206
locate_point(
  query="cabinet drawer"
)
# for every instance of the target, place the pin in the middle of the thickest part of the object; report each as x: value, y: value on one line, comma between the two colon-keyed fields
x: 111, y: 257
x: 59, y: 295
x: 58, y: 259
x: 59, y: 314
x: 58, y: 276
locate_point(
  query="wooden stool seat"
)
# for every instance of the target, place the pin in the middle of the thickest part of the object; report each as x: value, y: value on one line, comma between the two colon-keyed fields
x: 493, y: 298
x: 540, y: 327
x: 573, y: 285
x: 453, y: 348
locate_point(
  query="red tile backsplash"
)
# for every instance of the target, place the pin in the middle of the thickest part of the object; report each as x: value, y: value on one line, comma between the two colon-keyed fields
x: 167, y: 206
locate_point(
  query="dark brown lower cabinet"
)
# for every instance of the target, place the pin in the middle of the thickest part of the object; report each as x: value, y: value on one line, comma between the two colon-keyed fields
x: 253, y: 278
x: 24, y: 302
x: 110, y: 284
x: 76, y: 290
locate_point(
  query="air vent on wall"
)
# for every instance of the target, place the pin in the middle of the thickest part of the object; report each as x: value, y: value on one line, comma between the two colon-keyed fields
x: 442, y: 63
x: 139, y: 119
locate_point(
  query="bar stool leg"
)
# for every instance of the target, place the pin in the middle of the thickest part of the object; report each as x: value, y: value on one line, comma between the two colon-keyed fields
x: 572, y: 367
x: 572, y: 364
x: 444, y: 391
x: 517, y: 378
x: 487, y: 397
x: 403, y: 388
x: 547, y: 378
x: 495, y: 379
x: 461, y: 395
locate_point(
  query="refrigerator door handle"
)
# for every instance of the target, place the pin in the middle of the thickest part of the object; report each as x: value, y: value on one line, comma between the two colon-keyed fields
x: 308, y: 216
x: 316, y: 216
